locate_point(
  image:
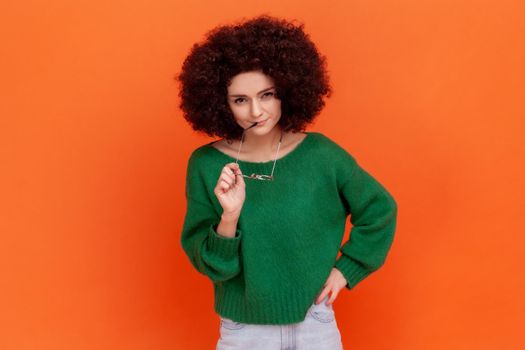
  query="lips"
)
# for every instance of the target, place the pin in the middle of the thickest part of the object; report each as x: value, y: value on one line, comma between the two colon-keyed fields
x: 262, y: 123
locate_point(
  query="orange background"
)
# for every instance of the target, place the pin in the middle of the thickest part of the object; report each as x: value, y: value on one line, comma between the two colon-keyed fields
x: 428, y: 95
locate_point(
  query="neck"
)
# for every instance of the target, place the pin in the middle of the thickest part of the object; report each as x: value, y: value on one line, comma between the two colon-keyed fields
x: 257, y: 144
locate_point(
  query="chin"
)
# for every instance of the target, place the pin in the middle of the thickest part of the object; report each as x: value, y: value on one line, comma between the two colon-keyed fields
x: 266, y: 128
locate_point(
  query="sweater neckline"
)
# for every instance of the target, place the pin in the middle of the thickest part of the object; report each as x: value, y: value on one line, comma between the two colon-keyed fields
x: 282, y: 159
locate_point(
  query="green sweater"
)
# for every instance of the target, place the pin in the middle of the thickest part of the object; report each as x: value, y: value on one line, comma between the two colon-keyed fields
x: 289, y: 231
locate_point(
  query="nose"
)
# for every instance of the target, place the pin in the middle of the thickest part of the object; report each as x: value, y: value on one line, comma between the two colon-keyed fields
x: 256, y: 109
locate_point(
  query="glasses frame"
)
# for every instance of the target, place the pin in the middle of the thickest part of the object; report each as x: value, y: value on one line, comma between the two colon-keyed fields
x: 254, y: 176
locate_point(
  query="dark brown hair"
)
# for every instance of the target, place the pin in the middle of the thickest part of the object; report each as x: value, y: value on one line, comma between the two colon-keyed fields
x: 278, y: 48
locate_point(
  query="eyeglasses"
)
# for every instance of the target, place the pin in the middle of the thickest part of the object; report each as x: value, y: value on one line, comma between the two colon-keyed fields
x: 259, y: 176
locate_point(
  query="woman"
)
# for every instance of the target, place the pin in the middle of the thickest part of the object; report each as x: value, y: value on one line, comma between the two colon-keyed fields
x: 267, y: 203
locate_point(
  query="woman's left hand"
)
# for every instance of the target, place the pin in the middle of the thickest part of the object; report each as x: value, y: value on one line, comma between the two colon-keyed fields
x: 335, y: 282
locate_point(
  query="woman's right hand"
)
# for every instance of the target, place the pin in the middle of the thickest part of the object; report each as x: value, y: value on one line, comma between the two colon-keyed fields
x: 231, y: 189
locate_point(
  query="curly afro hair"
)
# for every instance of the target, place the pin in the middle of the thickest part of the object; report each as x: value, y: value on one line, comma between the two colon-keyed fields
x: 278, y: 48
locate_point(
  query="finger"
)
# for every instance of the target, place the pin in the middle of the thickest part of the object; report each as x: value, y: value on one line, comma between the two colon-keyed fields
x: 224, y: 185
x: 227, y: 178
x: 322, y: 295
x: 233, y: 170
x: 232, y: 166
x: 332, y: 298
x: 219, y: 190
x: 239, y: 179
x: 228, y: 172
x: 232, y: 177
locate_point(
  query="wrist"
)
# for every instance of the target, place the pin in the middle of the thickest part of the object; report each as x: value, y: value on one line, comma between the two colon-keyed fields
x: 228, y: 225
x: 230, y: 217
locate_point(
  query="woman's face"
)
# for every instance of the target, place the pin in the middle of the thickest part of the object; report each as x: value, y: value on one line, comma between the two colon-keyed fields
x: 252, y: 98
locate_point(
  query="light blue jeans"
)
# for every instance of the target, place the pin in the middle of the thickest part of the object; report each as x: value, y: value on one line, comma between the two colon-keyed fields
x: 318, y: 331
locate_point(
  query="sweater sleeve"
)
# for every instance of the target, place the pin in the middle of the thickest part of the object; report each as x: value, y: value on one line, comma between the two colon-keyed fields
x: 210, y: 253
x: 373, y: 216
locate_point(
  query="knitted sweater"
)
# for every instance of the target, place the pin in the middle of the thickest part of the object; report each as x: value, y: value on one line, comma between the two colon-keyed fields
x: 289, y: 231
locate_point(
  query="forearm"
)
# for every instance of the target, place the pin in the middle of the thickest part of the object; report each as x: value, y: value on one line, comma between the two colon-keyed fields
x: 374, y: 217
x: 213, y: 254
x: 228, y: 225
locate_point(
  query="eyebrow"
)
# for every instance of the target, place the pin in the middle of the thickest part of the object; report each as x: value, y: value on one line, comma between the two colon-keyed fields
x: 271, y: 87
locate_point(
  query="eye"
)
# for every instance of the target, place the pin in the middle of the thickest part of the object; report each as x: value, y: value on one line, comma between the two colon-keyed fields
x: 269, y: 93
x: 237, y: 99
